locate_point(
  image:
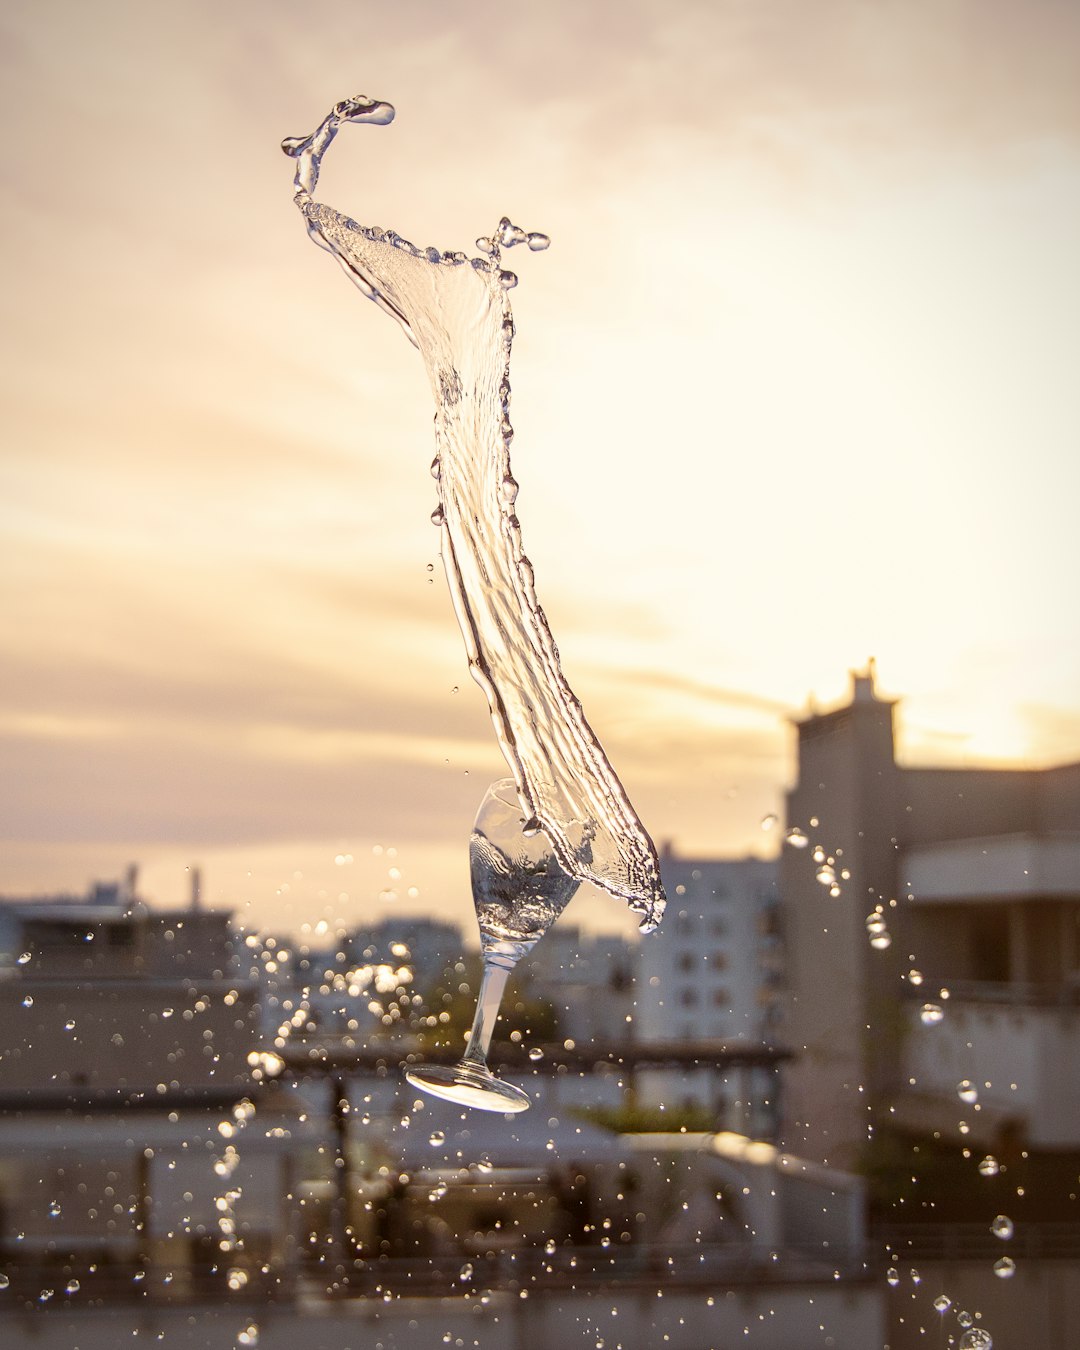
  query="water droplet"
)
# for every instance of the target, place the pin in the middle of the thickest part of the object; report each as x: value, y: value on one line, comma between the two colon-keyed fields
x: 436, y: 1137
x: 508, y: 280
x: 881, y: 941
x: 769, y: 822
x: 1002, y: 1227
x: 964, y: 1318
x: 72, y: 1287
x: 538, y: 242
x: 437, y: 516
x: 550, y: 1246
x: 249, y: 1335
x: 967, y: 1091
x: 69, y: 1025
x: 930, y: 1014
x: 28, y: 1002
x: 4, y: 1281
x: 826, y: 876
x: 510, y: 234
x: 875, y: 922
x: 989, y: 1167
x: 24, y: 958
x: 536, y: 1053
x: 976, y: 1339
x: 796, y: 838
x: 915, y: 977
x: 484, y: 1165
x: 485, y: 245
x: 893, y: 1276
x: 943, y: 1303
x: 1004, y: 1267
x: 465, y: 1273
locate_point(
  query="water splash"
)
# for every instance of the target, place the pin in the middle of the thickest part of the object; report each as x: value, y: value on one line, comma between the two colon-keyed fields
x: 456, y: 311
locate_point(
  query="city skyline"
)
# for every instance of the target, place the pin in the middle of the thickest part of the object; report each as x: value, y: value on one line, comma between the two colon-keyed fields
x: 835, y: 422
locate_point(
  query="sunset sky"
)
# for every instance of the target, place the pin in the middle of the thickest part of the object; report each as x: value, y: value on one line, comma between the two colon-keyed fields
x: 796, y: 384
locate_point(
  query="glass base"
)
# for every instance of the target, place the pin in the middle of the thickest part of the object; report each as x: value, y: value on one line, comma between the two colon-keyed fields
x: 468, y: 1084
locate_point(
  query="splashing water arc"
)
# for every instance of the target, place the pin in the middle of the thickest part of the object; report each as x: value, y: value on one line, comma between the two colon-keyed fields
x: 456, y: 311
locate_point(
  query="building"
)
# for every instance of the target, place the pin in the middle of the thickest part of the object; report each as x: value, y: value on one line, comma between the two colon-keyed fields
x: 711, y: 976
x: 140, y: 1129
x: 712, y: 970
x: 933, y: 917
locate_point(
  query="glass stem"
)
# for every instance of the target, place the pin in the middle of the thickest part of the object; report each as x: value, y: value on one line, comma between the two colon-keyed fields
x: 492, y: 984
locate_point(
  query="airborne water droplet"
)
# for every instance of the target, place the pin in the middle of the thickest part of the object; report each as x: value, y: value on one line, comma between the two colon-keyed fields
x: 1004, y: 1267
x: 796, y: 838
x: 510, y: 234
x: 538, y: 242
x: 1002, y: 1227
x: 976, y: 1339
x: 943, y: 1303
x: 989, y: 1167
x: 930, y: 1014
x: 967, y: 1091
x: 436, y: 1137
x: 536, y: 1053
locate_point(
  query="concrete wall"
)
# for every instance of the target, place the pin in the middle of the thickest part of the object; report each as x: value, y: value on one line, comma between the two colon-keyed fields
x: 1033, y: 1048
x: 1034, y: 1310
x: 758, y: 1317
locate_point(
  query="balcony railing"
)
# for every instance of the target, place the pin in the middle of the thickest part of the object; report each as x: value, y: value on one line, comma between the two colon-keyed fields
x: 1062, y: 994
x: 975, y: 1242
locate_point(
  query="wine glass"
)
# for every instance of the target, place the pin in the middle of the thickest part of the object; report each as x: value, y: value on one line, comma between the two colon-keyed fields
x: 519, y: 890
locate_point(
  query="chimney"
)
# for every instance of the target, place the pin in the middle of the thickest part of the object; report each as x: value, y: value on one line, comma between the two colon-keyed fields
x: 196, y: 890
x: 131, y: 882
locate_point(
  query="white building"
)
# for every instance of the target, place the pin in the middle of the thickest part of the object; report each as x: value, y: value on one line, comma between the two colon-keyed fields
x: 712, y: 974
x: 712, y: 969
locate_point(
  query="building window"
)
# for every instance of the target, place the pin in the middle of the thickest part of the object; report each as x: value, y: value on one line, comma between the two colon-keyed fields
x: 688, y: 998
x: 685, y: 962
x: 718, y: 960
x: 720, y: 998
